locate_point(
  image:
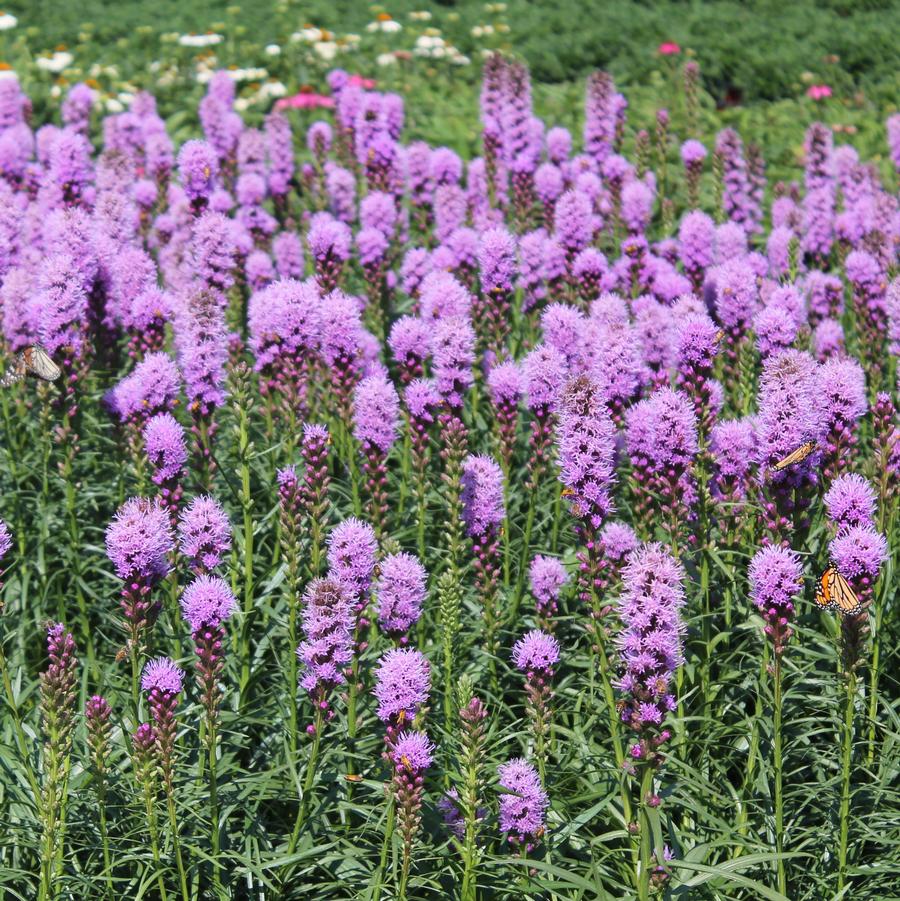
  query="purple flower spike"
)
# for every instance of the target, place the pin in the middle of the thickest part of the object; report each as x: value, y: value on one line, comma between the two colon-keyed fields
x: 402, y: 685
x: 548, y: 577
x: 162, y: 674
x: 776, y: 580
x: 850, y: 501
x: 351, y: 555
x: 650, y: 643
x: 482, y: 494
x: 138, y: 541
x: 413, y: 752
x: 207, y: 601
x: 328, y: 646
x: 536, y: 652
x: 204, y: 533
x: 523, y: 804
x: 401, y: 592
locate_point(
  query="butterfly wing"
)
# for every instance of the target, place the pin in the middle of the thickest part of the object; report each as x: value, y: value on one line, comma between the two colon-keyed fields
x: 844, y: 598
x: 38, y: 362
x: 795, y: 456
x: 15, y: 373
x: 824, y: 599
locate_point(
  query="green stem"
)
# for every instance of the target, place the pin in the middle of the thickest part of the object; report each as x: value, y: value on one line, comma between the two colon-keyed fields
x: 385, y: 847
x: 643, y: 874
x: 154, y: 838
x: 213, y: 802
x: 20, y: 732
x: 846, y: 758
x: 308, y: 781
x: 873, y: 676
x: 176, y: 845
x: 779, y: 795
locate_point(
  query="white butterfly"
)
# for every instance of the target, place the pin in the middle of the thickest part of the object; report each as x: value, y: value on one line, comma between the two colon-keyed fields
x: 31, y: 361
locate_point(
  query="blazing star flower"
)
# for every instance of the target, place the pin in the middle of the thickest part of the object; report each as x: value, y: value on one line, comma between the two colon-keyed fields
x: 412, y: 752
x: 523, y: 804
x: 400, y: 591
x: 163, y: 675
x: 328, y: 629
x: 536, y: 652
x: 165, y: 447
x: 548, y: 577
x: 482, y: 494
x: 859, y: 552
x: 351, y: 554
x: 139, y: 540
x: 453, y: 353
x: 650, y: 642
x: 776, y: 580
x: 586, y: 437
x: 207, y: 601
x: 402, y: 685
x: 153, y: 387
x: 850, y: 501
x: 204, y: 533
x: 199, y: 168
x: 376, y: 413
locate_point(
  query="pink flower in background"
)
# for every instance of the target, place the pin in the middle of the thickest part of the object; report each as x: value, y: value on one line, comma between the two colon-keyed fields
x: 668, y: 48
x: 358, y: 81
x: 818, y: 92
x: 305, y: 100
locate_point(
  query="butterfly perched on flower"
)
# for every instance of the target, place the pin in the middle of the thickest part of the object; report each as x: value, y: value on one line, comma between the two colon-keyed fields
x: 798, y: 455
x: 31, y: 361
x: 834, y: 593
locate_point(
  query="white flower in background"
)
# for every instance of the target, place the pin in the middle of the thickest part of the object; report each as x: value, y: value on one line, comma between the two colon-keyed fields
x: 459, y: 59
x: 373, y: 27
x: 200, y: 40
x: 310, y: 35
x: 386, y: 25
x: 204, y: 76
x: 386, y: 59
x: 55, y: 92
x: 327, y: 50
x: 7, y: 21
x: 242, y: 104
x: 352, y: 39
x: 420, y: 15
x: 272, y: 89
x: 430, y: 45
x: 247, y: 74
x: 273, y: 50
x: 8, y: 75
x: 113, y: 105
x: 60, y: 60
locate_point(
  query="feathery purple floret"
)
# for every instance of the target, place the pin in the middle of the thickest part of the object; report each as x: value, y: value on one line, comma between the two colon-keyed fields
x: 139, y: 540
x: 165, y: 447
x: 482, y: 494
x: 400, y: 591
x: 523, y: 803
x: 402, y: 685
x: 204, y: 533
x: 650, y: 643
x: 536, y: 652
x: 328, y: 630
x: 162, y: 674
x: 351, y: 554
x: 376, y: 413
x: 207, y: 601
x: 851, y: 501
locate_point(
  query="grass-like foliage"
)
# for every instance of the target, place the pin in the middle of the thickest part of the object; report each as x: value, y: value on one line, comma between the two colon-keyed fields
x: 379, y: 523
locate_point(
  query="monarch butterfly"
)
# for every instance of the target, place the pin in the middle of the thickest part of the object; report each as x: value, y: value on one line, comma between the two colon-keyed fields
x: 34, y: 361
x: 835, y: 593
x: 795, y: 456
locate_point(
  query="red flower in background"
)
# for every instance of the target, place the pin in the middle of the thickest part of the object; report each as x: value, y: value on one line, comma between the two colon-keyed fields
x: 668, y: 48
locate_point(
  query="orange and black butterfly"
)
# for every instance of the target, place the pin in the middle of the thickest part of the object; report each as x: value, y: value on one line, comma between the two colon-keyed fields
x: 798, y: 455
x: 834, y: 593
x: 31, y: 361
